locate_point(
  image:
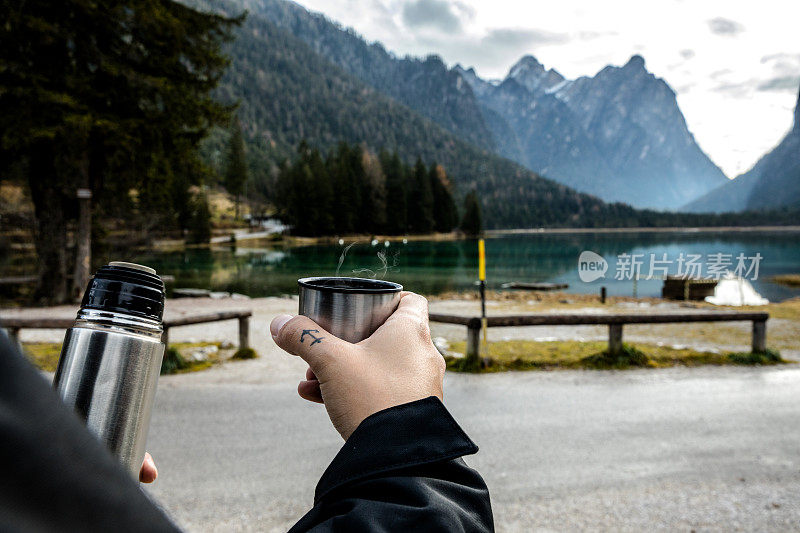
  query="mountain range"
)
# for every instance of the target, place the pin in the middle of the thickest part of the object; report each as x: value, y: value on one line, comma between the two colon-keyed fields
x: 287, y: 92
x: 298, y: 76
x: 618, y: 135
x: 774, y: 181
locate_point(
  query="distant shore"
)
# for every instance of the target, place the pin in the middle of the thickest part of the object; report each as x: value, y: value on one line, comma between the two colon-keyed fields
x: 708, y: 229
x: 455, y: 236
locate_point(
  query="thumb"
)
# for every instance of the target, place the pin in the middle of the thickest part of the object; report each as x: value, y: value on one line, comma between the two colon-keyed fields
x: 305, y: 338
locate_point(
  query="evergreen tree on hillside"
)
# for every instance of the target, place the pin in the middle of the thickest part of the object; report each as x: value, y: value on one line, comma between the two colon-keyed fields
x: 236, y: 165
x: 299, y: 188
x: 344, y: 195
x: 472, y: 223
x: 200, y: 221
x: 349, y: 192
x: 110, y: 96
x: 320, y: 197
x: 420, y: 200
x: 396, y: 200
x: 445, y: 212
x: 374, y: 193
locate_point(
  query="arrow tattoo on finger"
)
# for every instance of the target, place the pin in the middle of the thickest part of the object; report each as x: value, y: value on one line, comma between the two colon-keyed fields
x: 310, y: 333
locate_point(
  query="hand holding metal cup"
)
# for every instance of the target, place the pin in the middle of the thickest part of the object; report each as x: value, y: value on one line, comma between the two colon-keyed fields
x: 349, y: 308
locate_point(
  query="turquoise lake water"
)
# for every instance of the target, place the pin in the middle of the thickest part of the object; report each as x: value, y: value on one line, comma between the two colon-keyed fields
x: 434, y: 267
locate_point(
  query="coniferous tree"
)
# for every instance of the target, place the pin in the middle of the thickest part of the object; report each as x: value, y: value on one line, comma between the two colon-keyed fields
x: 236, y: 165
x: 200, y: 221
x: 445, y: 213
x: 420, y: 200
x: 302, y: 215
x: 346, y: 193
x: 472, y: 223
x: 396, y: 193
x: 375, y: 206
x: 116, y: 94
x: 321, y: 195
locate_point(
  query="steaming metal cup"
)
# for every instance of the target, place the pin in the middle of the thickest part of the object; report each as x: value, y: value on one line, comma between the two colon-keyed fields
x: 349, y: 308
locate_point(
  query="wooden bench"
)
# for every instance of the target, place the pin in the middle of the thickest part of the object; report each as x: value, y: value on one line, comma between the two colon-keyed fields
x: 14, y: 324
x: 614, y: 323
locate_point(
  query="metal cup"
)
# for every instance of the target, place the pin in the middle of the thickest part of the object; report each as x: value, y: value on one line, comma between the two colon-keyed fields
x: 349, y: 308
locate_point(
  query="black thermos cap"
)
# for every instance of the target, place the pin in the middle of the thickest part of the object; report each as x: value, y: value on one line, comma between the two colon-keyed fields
x: 126, y: 288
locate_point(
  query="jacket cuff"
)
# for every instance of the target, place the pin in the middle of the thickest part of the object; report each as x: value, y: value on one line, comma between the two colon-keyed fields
x: 404, y: 436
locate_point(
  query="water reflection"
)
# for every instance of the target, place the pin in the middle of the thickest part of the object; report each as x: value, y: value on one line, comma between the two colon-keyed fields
x: 434, y: 267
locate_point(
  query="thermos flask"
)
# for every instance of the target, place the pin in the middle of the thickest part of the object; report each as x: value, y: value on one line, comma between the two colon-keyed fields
x: 111, y: 358
x: 349, y: 308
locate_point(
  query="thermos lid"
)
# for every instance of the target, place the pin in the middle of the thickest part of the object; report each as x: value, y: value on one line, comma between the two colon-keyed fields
x: 128, y: 288
x: 133, y: 266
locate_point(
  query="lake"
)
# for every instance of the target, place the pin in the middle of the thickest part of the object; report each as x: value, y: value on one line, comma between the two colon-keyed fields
x: 433, y: 267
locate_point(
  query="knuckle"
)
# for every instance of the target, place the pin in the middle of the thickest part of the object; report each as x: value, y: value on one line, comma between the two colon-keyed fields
x: 291, y: 330
x: 424, y: 331
x: 421, y: 302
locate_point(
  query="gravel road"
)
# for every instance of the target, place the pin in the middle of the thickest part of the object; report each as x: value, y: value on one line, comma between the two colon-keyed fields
x: 705, y: 449
x: 709, y: 449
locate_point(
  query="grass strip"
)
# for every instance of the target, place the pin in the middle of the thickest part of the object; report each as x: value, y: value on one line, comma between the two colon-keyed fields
x: 571, y: 355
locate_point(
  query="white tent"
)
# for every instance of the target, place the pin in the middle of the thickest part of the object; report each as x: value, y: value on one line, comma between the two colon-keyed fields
x: 732, y: 290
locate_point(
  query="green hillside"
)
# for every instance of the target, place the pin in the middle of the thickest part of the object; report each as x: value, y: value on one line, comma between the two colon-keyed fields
x: 288, y: 93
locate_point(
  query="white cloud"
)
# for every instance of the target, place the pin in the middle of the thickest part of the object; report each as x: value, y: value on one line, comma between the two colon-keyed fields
x: 438, y: 14
x: 723, y: 26
x: 731, y: 63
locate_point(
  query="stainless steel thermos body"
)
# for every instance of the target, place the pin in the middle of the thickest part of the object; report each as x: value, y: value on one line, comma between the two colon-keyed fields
x: 111, y: 358
x: 349, y: 308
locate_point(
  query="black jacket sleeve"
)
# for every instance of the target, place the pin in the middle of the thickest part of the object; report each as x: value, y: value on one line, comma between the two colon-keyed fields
x: 401, y: 470
x: 57, y: 476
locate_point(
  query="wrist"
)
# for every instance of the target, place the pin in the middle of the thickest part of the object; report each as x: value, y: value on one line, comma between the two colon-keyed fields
x: 395, y: 438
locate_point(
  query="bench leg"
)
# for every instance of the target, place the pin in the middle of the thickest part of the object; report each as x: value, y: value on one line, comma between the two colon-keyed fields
x: 759, y: 336
x: 13, y: 336
x: 244, y: 332
x: 165, y: 338
x: 473, y: 343
x: 615, y: 339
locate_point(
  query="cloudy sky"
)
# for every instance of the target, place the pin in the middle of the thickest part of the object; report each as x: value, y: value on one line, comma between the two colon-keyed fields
x: 735, y: 64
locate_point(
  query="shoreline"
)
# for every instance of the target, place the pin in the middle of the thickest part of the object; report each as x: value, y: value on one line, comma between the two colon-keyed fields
x: 292, y: 241
x: 699, y: 229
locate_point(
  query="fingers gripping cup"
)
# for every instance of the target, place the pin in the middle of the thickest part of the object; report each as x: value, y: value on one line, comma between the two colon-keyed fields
x: 349, y: 308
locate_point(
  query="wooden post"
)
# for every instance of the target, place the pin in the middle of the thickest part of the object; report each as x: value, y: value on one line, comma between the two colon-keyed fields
x: 165, y: 337
x: 759, y: 336
x: 83, y: 244
x: 473, y: 341
x: 13, y: 336
x: 602, y: 295
x: 614, y: 339
x: 244, y: 332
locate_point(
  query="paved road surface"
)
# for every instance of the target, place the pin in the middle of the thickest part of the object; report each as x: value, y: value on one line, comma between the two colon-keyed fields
x: 709, y: 449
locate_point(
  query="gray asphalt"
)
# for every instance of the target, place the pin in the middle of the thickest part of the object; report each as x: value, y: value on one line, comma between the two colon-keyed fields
x: 705, y: 449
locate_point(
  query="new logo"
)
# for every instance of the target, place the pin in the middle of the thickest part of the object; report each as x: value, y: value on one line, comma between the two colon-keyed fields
x: 591, y: 266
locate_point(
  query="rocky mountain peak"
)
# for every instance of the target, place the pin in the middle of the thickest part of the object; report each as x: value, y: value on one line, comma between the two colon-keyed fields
x: 636, y: 62
x: 479, y: 86
x: 526, y: 64
x: 619, y: 135
x: 531, y: 74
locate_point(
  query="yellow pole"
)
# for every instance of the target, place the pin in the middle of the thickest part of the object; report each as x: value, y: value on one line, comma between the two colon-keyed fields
x: 481, y: 260
x: 482, y: 280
